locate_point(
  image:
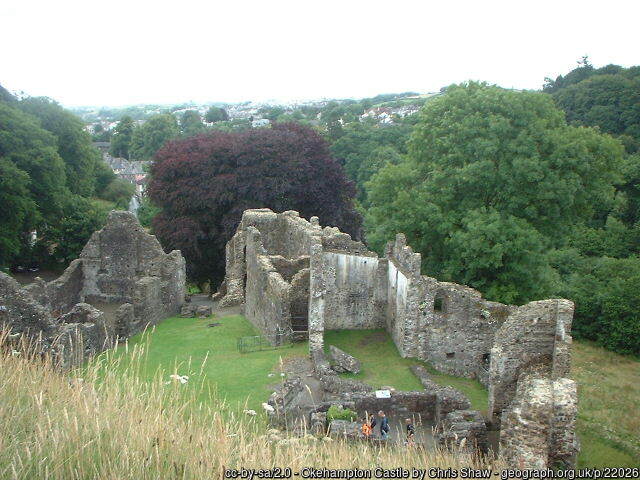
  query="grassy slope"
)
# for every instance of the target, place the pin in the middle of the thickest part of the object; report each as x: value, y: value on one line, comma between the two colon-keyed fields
x: 180, y: 345
x: 609, y: 384
x: 115, y: 425
x: 609, y: 406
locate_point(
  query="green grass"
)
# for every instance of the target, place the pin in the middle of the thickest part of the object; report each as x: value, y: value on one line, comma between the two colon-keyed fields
x: 608, y: 406
x: 181, y: 345
x: 473, y: 389
x: 382, y: 364
x: 608, y: 384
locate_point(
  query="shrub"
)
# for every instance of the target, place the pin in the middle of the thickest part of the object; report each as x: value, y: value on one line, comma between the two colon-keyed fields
x: 336, y: 412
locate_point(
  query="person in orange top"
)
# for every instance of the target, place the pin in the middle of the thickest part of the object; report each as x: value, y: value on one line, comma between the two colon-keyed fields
x: 366, y: 428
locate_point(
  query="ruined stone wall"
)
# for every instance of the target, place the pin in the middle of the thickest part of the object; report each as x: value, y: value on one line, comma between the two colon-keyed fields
x: 117, y: 256
x: 284, y: 235
x: 121, y: 264
x: 66, y: 290
x: 267, y: 304
x: 538, y: 428
x: 527, y: 339
x: 299, y: 293
x: 449, y: 325
x: 350, y: 283
x: 457, y: 327
x: 21, y: 312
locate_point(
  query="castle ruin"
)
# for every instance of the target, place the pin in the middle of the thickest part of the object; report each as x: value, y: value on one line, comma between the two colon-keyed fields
x: 122, y: 282
x: 293, y: 275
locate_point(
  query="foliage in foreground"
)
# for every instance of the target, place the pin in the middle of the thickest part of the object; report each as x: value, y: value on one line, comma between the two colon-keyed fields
x: 109, y: 424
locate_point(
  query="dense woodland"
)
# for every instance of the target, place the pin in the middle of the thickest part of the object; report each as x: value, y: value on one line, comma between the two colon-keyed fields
x: 521, y: 194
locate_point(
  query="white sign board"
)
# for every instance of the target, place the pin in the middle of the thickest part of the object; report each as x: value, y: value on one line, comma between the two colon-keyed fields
x: 383, y: 393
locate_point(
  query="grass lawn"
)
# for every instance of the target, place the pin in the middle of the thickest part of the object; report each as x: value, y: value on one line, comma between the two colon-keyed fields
x: 382, y: 364
x: 181, y: 345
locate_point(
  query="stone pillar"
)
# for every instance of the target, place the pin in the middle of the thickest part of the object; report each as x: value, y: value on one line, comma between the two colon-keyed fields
x: 316, y: 298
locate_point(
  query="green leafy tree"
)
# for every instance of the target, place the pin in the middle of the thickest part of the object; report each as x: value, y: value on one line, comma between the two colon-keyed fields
x: 191, y: 123
x: 216, y: 114
x: 18, y: 211
x: 73, y: 144
x: 370, y: 165
x: 119, y: 192
x: 607, y: 97
x: 271, y: 113
x: 152, y: 135
x: 147, y: 211
x: 606, y: 292
x: 104, y: 176
x: 498, y: 165
x: 34, y: 151
x: 356, y: 147
x: 100, y: 134
x: 66, y: 238
x: 122, y: 137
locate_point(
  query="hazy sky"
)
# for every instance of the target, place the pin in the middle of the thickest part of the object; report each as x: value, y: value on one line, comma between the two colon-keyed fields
x: 114, y: 52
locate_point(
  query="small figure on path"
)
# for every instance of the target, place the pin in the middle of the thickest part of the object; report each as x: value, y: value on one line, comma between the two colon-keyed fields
x: 411, y: 431
x: 384, y: 425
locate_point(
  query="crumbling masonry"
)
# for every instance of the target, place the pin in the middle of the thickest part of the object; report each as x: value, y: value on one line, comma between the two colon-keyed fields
x: 122, y: 282
x: 290, y: 273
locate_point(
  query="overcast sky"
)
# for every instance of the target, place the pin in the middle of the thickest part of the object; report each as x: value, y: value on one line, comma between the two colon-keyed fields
x: 115, y: 52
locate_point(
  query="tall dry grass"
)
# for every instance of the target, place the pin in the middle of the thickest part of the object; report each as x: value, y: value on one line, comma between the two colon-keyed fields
x: 103, y: 422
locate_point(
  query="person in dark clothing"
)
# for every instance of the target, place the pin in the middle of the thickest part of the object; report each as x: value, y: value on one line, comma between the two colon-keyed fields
x: 411, y: 431
x: 384, y: 425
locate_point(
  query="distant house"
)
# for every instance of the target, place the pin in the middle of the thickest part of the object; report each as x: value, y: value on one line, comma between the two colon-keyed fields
x: 133, y: 171
x: 261, y: 122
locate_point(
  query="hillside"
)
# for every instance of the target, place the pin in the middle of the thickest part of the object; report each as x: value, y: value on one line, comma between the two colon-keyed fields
x: 62, y: 427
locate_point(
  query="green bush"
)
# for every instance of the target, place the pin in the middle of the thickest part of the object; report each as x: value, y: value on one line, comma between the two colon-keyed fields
x: 606, y: 292
x: 336, y: 412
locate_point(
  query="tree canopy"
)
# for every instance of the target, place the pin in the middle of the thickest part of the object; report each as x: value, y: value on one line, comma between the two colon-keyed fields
x: 492, y: 179
x: 152, y: 135
x: 122, y: 138
x: 204, y: 183
x: 607, y: 97
x: 216, y: 114
x: 48, y: 173
x: 72, y: 143
x: 191, y: 123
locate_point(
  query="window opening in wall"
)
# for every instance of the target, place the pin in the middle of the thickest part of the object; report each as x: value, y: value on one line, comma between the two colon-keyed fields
x: 486, y: 359
x: 438, y: 304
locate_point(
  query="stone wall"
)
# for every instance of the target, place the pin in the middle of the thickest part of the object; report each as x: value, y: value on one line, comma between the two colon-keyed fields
x: 528, y: 338
x: 449, y: 325
x: 267, y: 304
x: 538, y: 427
x: 121, y: 253
x: 350, y: 289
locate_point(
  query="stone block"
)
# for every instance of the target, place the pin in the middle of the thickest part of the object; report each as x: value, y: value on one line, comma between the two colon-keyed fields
x: 204, y: 311
x: 188, y: 310
x: 342, y: 361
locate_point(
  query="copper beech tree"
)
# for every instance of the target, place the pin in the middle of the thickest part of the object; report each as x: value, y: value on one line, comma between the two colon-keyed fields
x: 204, y: 183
